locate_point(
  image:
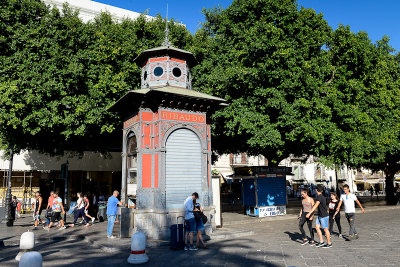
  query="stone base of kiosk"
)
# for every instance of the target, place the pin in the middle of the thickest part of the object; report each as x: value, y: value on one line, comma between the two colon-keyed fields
x: 155, y: 224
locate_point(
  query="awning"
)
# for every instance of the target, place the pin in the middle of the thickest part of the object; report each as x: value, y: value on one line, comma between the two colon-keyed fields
x: 226, y: 174
x: 369, y: 181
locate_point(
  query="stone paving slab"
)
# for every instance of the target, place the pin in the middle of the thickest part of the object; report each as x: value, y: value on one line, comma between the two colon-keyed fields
x: 273, y: 244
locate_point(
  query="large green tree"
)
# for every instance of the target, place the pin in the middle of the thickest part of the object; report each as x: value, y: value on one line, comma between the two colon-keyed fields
x: 267, y: 59
x: 296, y: 87
x: 59, y: 75
x: 363, y: 97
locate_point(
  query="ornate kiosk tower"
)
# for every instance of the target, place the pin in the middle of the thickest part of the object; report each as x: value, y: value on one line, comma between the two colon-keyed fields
x: 166, y: 140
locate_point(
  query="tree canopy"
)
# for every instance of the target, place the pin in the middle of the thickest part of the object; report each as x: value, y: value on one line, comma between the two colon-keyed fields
x: 267, y: 59
x: 59, y: 75
x: 294, y: 85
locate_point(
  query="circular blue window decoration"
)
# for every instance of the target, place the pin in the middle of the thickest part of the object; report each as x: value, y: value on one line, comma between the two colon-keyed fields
x: 158, y: 71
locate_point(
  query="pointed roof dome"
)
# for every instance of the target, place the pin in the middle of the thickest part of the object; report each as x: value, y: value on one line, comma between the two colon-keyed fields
x: 167, y: 50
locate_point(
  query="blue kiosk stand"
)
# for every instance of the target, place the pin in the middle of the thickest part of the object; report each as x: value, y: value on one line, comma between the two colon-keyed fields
x: 264, y: 193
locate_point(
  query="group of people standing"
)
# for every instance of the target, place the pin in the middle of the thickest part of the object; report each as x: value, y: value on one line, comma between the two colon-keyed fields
x: 327, y: 215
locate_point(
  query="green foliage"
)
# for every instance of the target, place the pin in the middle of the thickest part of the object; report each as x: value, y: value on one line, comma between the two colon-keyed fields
x: 267, y: 59
x: 59, y: 75
x: 296, y: 87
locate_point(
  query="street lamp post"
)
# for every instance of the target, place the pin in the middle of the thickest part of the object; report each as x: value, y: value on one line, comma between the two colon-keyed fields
x: 65, y: 174
x: 8, y: 217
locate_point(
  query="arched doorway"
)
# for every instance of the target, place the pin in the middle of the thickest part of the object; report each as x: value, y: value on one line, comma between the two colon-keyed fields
x: 183, y: 168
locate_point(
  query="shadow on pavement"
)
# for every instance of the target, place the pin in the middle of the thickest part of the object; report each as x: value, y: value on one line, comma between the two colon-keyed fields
x: 297, y: 237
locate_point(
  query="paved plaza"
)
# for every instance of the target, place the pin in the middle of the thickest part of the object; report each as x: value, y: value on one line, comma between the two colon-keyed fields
x: 273, y: 242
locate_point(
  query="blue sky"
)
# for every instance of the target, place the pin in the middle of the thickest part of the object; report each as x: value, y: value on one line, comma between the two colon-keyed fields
x: 376, y: 17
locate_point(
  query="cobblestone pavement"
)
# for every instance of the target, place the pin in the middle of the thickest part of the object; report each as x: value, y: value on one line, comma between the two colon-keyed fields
x: 275, y: 243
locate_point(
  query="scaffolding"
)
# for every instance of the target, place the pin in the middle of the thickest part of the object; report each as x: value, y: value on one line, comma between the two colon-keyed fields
x: 28, y: 194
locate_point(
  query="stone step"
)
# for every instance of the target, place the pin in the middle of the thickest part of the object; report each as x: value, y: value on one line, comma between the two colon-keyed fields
x: 221, y: 234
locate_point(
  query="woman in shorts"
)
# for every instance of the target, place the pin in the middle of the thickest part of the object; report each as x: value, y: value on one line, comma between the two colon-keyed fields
x: 199, y: 226
x: 37, y: 209
x: 86, y: 201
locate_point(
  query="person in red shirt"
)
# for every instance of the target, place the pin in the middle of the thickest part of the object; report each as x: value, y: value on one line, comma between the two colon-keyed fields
x: 85, y: 198
x: 49, y: 204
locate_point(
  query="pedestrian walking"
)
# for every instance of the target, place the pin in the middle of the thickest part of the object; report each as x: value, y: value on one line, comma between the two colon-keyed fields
x: 58, y: 209
x: 37, y: 211
x: 49, y: 205
x: 377, y: 189
x: 112, y: 209
x: 306, y: 206
x: 334, y: 214
x: 86, y: 211
x: 18, y: 210
x: 94, y: 205
x: 14, y: 205
x: 190, y: 222
x: 371, y: 191
x: 80, y: 211
x: 348, y: 200
x: 398, y: 195
x: 322, y: 218
x: 199, y: 224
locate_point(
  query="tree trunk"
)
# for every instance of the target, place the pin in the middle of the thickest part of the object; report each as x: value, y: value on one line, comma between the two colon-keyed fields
x: 390, y: 199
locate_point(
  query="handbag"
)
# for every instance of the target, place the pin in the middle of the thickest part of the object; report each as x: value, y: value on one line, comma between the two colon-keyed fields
x: 204, y: 218
x: 49, y: 213
x: 197, y: 215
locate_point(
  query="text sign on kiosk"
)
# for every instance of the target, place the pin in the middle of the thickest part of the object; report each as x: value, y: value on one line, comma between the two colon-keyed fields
x: 181, y: 116
x: 271, y: 211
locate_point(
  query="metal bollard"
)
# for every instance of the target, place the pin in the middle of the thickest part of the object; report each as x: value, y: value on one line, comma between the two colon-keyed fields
x: 26, y: 243
x: 138, y: 249
x: 31, y: 259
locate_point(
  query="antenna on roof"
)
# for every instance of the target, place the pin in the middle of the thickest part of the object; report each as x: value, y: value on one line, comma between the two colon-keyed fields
x: 166, y: 40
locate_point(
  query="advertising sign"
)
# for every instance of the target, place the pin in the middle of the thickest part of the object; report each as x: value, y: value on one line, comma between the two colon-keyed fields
x: 272, y: 211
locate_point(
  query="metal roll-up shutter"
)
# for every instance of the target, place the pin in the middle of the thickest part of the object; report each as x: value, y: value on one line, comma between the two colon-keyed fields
x: 183, y: 167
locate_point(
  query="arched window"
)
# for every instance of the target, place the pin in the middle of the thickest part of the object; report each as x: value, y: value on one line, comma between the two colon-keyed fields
x: 131, y: 164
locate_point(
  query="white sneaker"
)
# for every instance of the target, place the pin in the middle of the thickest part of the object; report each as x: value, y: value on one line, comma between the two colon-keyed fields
x: 111, y: 236
x: 93, y: 220
x: 62, y: 228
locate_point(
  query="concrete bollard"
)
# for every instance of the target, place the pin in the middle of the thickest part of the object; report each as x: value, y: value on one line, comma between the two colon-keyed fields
x: 31, y: 259
x: 138, y: 249
x: 26, y: 243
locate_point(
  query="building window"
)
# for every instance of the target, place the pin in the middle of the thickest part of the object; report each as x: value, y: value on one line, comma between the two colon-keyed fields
x: 158, y: 71
x: 131, y: 153
x: 177, y: 72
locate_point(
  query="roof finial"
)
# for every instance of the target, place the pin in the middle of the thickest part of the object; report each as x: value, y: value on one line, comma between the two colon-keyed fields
x: 166, y: 40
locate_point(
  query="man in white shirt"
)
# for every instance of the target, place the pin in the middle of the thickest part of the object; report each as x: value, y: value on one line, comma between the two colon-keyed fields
x: 190, y: 221
x: 349, y: 209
